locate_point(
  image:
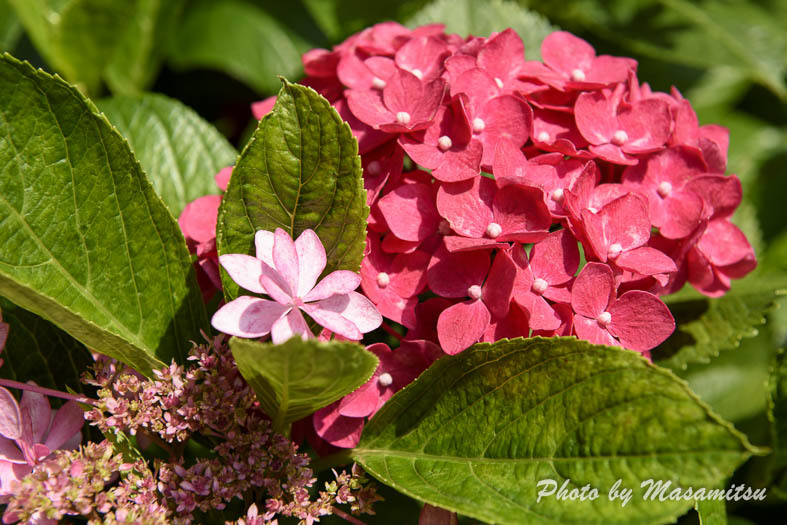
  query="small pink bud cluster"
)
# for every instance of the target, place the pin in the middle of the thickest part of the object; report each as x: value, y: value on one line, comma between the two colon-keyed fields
x: 527, y: 162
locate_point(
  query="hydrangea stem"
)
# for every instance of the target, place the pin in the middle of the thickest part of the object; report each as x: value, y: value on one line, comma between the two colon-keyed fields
x: 46, y: 391
x: 346, y: 517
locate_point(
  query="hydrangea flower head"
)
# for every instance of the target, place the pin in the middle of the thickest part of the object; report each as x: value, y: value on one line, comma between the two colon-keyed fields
x: 287, y: 271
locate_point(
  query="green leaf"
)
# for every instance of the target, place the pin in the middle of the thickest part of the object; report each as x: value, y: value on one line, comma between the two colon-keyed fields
x: 180, y: 152
x: 239, y: 39
x: 300, y: 171
x: 38, y: 350
x: 10, y: 29
x: 777, y: 416
x: 476, y: 433
x: 707, y: 326
x: 340, y: 18
x: 711, y: 512
x: 85, y: 242
x: 295, y: 379
x: 465, y: 18
x: 142, y: 45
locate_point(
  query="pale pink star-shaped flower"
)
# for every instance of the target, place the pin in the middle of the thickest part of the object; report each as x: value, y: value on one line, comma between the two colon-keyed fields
x: 287, y: 271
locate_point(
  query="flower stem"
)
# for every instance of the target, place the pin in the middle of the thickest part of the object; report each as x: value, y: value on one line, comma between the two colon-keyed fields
x: 385, y: 326
x: 46, y: 391
x: 346, y: 517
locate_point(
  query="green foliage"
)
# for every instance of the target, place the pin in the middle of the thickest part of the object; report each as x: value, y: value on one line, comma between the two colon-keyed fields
x: 708, y: 326
x: 85, y: 242
x: 39, y: 351
x: 295, y: 379
x: 240, y: 39
x: 10, y: 30
x: 465, y: 18
x: 477, y: 431
x: 777, y: 416
x: 178, y: 150
x: 90, y: 40
x: 300, y: 171
x: 711, y: 512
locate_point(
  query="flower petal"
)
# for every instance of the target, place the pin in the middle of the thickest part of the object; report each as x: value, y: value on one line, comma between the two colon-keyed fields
x: 640, y: 320
x: 589, y: 330
x: 285, y: 259
x: 462, y: 325
x: 10, y: 417
x: 36, y: 416
x: 263, y: 243
x: 336, y: 429
x: 248, y: 317
x: 593, y: 290
x: 338, y: 282
x: 289, y: 326
x: 68, y: 421
x: 311, y: 260
x: 333, y: 321
x: 244, y: 270
x: 354, y: 307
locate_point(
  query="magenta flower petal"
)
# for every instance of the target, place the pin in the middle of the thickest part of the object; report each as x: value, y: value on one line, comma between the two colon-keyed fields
x: 462, y: 325
x: 646, y: 261
x: 36, y: 416
x: 355, y: 307
x: 565, y: 52
x: 290, y: 325
x: 248, y: 317
x: 556, y: 258
x: 499, y: 284
x: 197, y: 221
x: 591, y: 331
x: 9, y: 452
x: 467, y: 205
x: 10, y: 417
x: 244, y: 270
x: 222, y: 178
x: 338, y: 282
x: 410, y: 212
x: 640, y: 320
x: 504, y: 117
x: 68, y: 421
x: 521, y: 213
x: 336, y: 429
x: 594, y: 289
x: 451, y: 274
x: 364, y: 401
x: 595, y: 116
x: 311, y: 261
x: 333, y: 321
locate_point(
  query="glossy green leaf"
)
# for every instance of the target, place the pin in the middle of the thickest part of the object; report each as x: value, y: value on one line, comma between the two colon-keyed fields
x: 239, y: 39
x: 476, y: 433
x: 84, y: 241
x: 295, y: 379
x: 707, y: 326
x: 711, y: 512
x: 10, y: 29
x: 465, y: 18
x: 179, y: 151
x: 300, y: 170
x: 39, y: 351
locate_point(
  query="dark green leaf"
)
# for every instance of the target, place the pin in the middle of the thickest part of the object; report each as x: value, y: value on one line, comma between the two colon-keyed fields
x: 178, y: 150
x: 300, y: 171
x: 777, y: 415
x: 476, y: 432
x: 465, y: 18
x: 295, y: 379
x: 38, y: 350
x: 708, y: 326
x: 84, y: 241
x: 711, y: 512
x: 239, y: 39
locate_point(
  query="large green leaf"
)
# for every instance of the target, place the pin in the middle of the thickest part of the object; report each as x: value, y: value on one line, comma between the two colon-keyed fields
x: 466, y: 18
x: 84, y: 240
x: 707, y: 326
x: 477, y: 432
x: 87, y: 40
x: 777, y: 416
x: 10, y: 29
x: 239, y: 39
x: 178, y: 150
x: 38, y: 350
x: 711, y: 512
x: 300, y: 170
x: 295, y: 379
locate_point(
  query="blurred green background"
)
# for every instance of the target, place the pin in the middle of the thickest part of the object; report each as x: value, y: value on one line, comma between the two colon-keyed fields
x: 729, y: 58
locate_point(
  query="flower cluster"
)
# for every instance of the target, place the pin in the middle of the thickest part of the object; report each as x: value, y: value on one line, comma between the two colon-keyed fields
x: 248, y: 458
x: 528, y: 162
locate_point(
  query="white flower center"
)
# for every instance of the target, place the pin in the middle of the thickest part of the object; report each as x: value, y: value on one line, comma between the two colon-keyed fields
x: 378, y: 83
x: 543, y: 136
x: 385, y: 379
x: 493, y: 229
x: 474, y: 292
x: 444, y: 228
x: 418, y: 73
x: 540, y: 286
x: 593, y: 210
x: 403, y: 117
x: 578, y: 75
x: 557, y: 195
x: 499, y: 83
x: 478, y: 125
x: 383, y: 279
x: 664, y: 189
x: 604, y: 318
x: 619, y: 138
x: 614, y: 251
x: 374, y: 168
x: 444, y: 142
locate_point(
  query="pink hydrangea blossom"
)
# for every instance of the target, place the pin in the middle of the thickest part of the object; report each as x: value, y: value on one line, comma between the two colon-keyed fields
x: 287, y: 272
